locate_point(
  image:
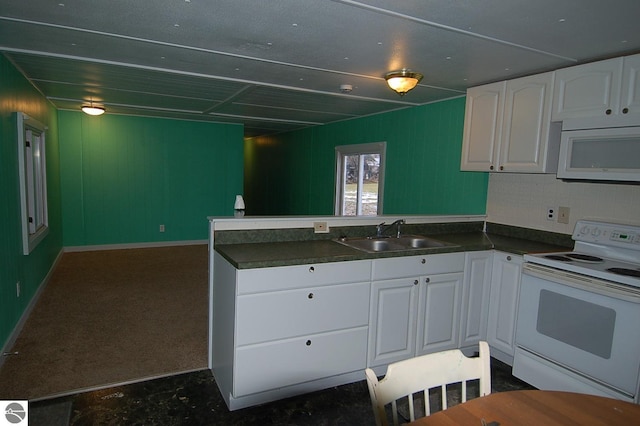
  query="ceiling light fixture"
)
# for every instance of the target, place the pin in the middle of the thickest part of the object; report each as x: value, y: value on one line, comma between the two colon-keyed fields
x: 92, y: 109
x: 402, y: 81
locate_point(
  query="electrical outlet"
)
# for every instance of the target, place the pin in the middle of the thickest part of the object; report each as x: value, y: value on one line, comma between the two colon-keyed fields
x: 18, y: 289
x: 563, y: 214
x: 161, y: 228
x: 552, y: 213
x: 320, y: 227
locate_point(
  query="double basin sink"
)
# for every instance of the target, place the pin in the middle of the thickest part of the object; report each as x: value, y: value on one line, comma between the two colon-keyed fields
x: 401, y: 243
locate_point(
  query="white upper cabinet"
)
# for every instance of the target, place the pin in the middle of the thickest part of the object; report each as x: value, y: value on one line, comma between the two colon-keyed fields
x: 508, y: 127
x: 630, y: 94
x: 482, y: 126
x: 529, y: 141
x: 598, y: 89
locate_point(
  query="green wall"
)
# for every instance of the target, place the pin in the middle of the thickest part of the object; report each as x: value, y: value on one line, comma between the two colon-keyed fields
x: 123, y: 177
x: 294, y: 173
x: 16, y: 94
x: 111, y: 180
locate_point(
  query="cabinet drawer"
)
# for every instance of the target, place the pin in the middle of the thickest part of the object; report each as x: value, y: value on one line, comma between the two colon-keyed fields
x: 298, y: 276
x: 261, y: 317
x: 273, y: 365
x: 411, y: 266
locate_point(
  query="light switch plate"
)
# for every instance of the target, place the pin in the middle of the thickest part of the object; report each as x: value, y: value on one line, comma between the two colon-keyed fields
x: 563, y: 214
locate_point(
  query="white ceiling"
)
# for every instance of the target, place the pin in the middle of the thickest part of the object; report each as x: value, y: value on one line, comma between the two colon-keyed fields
x: 277, y: 65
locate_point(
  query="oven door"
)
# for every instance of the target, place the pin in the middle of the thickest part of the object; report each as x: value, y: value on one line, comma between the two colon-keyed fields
x: 589, y: 326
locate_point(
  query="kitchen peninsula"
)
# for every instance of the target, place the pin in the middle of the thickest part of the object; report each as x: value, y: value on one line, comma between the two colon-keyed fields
x: 292, y: 310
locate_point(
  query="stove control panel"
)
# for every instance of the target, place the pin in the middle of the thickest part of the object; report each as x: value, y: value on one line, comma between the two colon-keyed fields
x: 625, y: 237
x: 612, y: 234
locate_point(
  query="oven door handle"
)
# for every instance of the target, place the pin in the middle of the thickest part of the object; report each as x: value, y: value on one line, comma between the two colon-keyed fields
x: 583, y: 282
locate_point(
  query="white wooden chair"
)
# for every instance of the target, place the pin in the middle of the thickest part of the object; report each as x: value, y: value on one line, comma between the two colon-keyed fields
x: 418, y: 375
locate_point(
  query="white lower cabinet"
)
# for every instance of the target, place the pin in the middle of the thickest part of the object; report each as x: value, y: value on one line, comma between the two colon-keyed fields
x: 392, y: 331
x: 439, y: 312
x: 415, y: 306
x: 503, y: 305
x: 475, y: 297
x: 287, y: 362
x: 282, y: 331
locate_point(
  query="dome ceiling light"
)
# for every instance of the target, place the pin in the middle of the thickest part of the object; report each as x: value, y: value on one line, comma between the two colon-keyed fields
x: 92, y: 109
x: 402, y: 81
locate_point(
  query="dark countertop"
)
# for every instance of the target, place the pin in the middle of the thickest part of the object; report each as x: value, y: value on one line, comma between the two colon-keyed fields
x: 269, y: 254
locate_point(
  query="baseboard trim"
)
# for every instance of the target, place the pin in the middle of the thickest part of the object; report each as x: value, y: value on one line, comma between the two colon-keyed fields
x: 72, y: 249
x: 115, y: 384
x: 25, y: 315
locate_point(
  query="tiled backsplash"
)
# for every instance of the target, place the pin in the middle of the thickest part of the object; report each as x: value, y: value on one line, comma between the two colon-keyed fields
x: 522, y: 200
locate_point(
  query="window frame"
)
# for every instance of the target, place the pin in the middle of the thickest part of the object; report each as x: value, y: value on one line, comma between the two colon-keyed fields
x: 343, y: 151
x: 32, y: 171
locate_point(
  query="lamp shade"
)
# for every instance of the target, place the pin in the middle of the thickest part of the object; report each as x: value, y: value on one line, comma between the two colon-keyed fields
x: 402, y: 81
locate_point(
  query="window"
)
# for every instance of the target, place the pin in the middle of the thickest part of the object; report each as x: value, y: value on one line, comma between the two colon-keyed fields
x: 32, y: 166
x: 359, y: 179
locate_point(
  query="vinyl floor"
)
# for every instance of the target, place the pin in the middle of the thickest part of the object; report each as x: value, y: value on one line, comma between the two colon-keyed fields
x: 193, y: 399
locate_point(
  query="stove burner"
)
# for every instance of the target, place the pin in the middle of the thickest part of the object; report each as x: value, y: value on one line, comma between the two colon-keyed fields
x: 584, y: 257
x: 625, y: 271
x: 559, y: 257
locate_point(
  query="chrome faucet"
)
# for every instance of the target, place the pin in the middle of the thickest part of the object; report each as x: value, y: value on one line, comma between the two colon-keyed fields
x: 381, y: 228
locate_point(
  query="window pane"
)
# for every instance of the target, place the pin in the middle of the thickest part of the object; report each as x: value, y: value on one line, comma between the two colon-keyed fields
x: 370, y: 184
x: 350, y: 189
x: 360, y: 192
x: 33, y: 181
x: 360, y: 175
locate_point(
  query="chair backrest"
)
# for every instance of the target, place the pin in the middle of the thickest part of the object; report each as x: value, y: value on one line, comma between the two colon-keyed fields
x: 418, y: 375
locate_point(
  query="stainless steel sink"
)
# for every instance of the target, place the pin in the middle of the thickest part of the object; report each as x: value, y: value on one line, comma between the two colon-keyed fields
x: 418, y: 242
x: 385, y: 244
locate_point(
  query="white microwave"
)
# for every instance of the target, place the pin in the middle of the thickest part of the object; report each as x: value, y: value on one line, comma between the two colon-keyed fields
x: 611, y: 153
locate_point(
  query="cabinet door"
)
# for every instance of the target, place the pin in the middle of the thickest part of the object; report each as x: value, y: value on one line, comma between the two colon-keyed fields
x: 439, y: 313
x: 630, y: 95
x: 475, y: 297
x: 392, y: 327
x: 589, y: 90
x: 503, y: 303
x: 526, y: 125
x: 482, y: 126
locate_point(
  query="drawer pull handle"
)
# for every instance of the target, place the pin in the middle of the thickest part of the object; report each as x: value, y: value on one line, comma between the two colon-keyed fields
x: 426, y: 280
x: 423, y: 261
x: 625, y: 110
x: 509, y: 258
x: 312, y: 269
x: 608, y: 112
x: 310, y: 296
x: 415, y: 282
x: 308, y: 343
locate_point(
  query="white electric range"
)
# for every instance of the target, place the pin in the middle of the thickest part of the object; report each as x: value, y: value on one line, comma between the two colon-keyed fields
x: 578, y: 326
x: 602, y: 250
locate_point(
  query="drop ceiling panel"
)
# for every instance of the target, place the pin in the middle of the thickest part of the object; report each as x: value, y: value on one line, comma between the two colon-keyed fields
x: 276, y: 66
x: 583, y: 31
x: 111, y: 97
x: 323, y: 67
x: 67, y: 71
